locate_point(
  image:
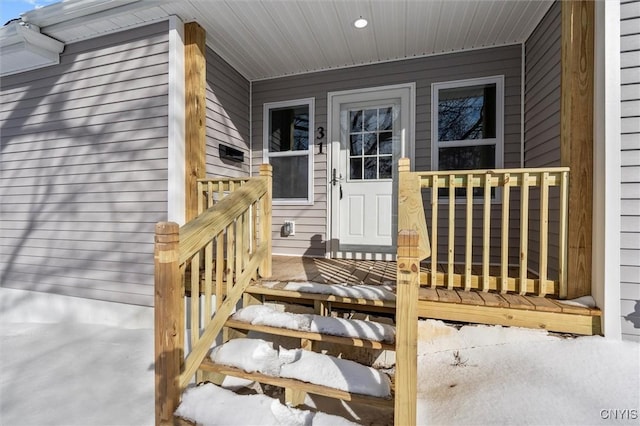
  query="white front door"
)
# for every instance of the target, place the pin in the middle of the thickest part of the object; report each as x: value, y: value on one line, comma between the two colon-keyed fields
x: 370, y: 132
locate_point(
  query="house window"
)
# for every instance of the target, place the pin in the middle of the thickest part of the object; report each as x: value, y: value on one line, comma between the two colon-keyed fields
x: 467, y: 126
x: 288, y: 130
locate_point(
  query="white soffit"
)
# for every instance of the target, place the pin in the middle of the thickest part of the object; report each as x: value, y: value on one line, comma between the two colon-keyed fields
x: 23, y: 48
x: 272, y: 38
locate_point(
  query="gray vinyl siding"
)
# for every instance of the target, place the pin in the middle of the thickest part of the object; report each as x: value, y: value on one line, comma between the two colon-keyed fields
x: 542, y: 123
x: 83, y: 169
x: 630, y: 173
x: 227, y: 117
x: 311, y: 221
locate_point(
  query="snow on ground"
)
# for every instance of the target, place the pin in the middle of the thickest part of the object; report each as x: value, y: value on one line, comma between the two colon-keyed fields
x: 258, y: 355
x: 371, y: 292
x: 231, y: 409
x: 75, y: 374
x: 266, y: 315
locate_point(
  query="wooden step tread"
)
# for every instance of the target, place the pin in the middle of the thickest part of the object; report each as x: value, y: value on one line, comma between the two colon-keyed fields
x: 318, y: 337
x: 507, y: 300
x: 268, y: 291
x: 208, y: 365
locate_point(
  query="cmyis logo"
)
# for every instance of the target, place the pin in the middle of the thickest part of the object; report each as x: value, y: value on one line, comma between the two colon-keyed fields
x: 617, y: 414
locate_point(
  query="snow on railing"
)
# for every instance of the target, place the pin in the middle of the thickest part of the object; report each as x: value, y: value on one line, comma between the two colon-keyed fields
x: 218, y: 252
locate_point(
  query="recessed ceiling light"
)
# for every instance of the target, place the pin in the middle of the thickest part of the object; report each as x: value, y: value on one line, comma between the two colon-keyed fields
x: 360, y: 23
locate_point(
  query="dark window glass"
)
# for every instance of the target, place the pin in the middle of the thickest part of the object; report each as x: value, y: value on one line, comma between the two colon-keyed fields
x: 467, y: 113
x: 290, y: 176
x: 289, y: 129
x: 468, y: 157
x: 355, y: 168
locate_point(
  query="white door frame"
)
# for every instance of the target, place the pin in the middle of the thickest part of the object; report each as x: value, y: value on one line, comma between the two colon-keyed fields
x: 407, y: 94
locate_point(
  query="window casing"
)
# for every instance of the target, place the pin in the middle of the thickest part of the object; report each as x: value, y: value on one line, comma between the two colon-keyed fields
x: 467, y: 126
x: 288, y: 147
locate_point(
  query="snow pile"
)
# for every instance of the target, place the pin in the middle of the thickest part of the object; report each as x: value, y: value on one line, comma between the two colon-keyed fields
x: 501, y: 375
x: 251, y: 355
x: 583, y: 302
x: 259, y: 355
x: 369, y: 292
x: 334, y: 372
x: 265, y: 315
x: 211, y: 405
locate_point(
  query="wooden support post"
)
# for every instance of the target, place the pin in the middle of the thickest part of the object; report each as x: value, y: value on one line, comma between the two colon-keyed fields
x: 576, y: 137
x: 169, y: 321
x: 408, y: 276
x: 266, y: 171
x: 410, y: 207
x: 195, y: 113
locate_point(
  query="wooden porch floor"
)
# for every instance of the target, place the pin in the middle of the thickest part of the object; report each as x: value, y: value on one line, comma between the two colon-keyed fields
x: 452, y: 305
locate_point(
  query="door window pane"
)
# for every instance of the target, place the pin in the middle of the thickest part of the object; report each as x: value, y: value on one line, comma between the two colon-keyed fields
x: 370, y: 167
x: 371, y: 143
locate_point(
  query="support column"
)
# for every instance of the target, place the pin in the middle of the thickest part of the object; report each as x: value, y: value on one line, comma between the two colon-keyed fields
x: 195, y: 113
x: 576, y: 137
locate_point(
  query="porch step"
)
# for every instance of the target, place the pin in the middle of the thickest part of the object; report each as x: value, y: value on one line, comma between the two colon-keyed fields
x: 351, y: 332
x: 361, y: 297
x: 300, y: 371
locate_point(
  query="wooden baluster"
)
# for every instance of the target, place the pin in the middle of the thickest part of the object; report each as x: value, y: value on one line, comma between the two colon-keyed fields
x: 468, y: 253
x: 544, y: 233
x: 486, y: 232
x: 195, y: 299
x: 563, y: 246
x: 231, y: 248
x: 452, y: 226
x: 524, y: 232
x: 169, y: 321
x: 434, y: 230
x: 504, y: 249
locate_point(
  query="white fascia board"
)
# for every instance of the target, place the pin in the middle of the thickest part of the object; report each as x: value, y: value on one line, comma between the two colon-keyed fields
x: 70, y: 9
x: 24, y: 48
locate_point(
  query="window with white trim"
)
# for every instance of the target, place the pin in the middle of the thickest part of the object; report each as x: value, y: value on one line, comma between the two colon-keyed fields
x: 288, y: 147
x: 467, y: 124
x: 467, y: 127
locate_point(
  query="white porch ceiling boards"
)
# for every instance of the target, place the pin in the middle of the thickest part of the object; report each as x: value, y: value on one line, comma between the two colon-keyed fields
x: 271, y: 38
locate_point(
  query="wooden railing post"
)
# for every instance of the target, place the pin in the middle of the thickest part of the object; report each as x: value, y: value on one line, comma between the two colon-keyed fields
x: 410, y: 207
x: 266, y: 171
x: 169, y: 321
x: 408, y: 282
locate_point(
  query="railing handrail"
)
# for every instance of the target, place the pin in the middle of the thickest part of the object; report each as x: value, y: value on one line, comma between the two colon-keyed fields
x: 198, y: 232
x: 238, y: 228
x: 493, y: 171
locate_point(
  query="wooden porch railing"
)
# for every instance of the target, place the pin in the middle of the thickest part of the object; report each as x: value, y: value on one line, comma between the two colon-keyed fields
x: 231, y: 242
x: 479, y: 193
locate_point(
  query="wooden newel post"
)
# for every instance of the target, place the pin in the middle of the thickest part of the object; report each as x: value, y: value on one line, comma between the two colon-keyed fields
x: 169, y: 321
x: 266, y: 171
x: 408, y: 282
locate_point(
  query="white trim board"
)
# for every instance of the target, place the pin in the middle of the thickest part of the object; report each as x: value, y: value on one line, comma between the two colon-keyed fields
x: 176, y: 131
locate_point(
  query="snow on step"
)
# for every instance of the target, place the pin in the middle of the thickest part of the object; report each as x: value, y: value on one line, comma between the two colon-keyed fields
x: 256, y: 355
x: 369, y: 292
x: 211, y: 405
x: 265, y: 315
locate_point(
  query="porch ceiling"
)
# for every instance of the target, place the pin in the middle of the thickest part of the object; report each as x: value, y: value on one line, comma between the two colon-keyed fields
x: 271, y: 38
